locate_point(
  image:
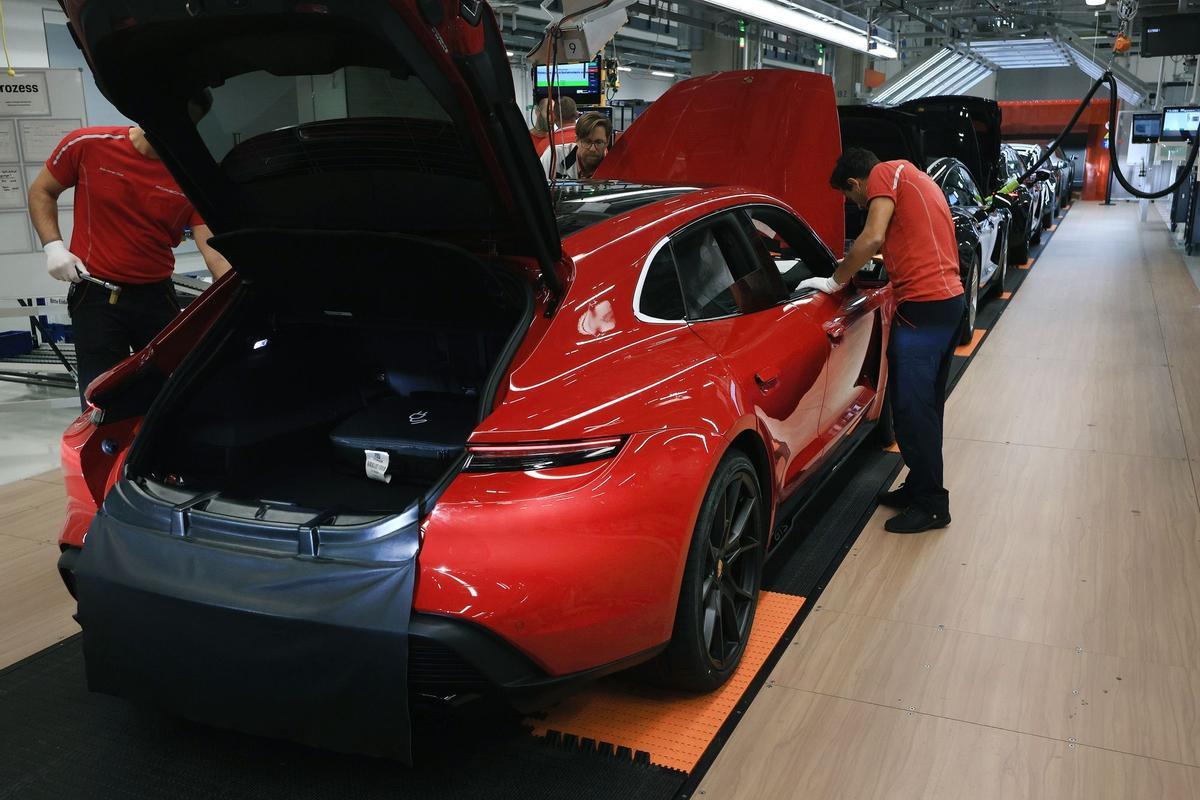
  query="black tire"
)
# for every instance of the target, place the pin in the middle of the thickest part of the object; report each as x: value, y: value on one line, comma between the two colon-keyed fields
x: 705, y: 648
x: 1000, y: 282
x: 966, y: 328
x: 1019, y: 254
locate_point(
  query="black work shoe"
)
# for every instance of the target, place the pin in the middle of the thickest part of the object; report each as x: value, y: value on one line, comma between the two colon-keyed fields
x: 899, y: 497
x: 915, y: 519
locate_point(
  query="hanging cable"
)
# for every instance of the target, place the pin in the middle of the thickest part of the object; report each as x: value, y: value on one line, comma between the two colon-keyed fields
x: 12, y: 73
x: 1114, y: 162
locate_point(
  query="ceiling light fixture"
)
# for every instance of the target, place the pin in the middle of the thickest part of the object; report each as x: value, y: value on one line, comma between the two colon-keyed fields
x: 624, y: 69
x: 1094, y: 2
x: 805, y: 21
x: 658, y: 74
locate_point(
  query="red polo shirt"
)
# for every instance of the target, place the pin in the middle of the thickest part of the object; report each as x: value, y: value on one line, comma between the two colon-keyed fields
x: 919, y: 250
x: 129, y: 212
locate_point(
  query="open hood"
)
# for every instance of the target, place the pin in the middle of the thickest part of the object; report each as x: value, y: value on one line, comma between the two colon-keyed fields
x: 341, y: 115
x: 774, y: 131
x: 890, y: 134
x: 962, y: 127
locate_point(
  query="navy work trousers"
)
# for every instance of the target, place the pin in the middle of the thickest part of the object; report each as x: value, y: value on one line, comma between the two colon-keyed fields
x: 919, y: 355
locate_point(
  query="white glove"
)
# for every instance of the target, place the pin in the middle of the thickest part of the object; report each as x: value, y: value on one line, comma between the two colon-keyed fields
x: 62, y: 264
x: 826, y: 285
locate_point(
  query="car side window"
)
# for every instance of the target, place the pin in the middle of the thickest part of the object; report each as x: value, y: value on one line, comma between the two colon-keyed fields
x: 718, y: 276
x: 661, y: 295
x: 785, y: 245
x: 968, y: 184
x: 958, y: 189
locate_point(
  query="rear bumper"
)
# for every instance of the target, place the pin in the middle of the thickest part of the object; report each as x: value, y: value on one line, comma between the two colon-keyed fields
x: 449, y: 660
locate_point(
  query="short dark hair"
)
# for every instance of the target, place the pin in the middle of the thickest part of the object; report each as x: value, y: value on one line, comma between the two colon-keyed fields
x: 854, y: 162
x: 589, y: 122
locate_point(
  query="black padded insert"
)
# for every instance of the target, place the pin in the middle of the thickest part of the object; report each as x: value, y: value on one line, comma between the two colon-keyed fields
x: 422, y: 434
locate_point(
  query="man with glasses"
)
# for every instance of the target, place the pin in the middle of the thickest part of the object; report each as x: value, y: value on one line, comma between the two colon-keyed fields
x: 579, y: 159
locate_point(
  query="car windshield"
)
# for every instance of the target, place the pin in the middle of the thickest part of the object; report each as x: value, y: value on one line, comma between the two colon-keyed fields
x: 579, y: 204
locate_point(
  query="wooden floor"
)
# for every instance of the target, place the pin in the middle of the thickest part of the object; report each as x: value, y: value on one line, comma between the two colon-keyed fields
x: 1047, y: 644
x: 35, y: 609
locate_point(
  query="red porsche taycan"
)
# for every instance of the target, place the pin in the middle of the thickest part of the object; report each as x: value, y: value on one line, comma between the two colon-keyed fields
x: 445, y: 431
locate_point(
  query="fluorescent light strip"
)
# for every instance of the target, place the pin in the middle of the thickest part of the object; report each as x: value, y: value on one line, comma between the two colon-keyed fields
x: 658, y: 74
x: 806, y: 22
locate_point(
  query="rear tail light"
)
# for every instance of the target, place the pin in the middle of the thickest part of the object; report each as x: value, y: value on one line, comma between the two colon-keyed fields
x: 544, y: 455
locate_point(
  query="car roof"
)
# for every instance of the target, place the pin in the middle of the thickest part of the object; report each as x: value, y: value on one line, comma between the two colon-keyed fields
x: 582, y: 204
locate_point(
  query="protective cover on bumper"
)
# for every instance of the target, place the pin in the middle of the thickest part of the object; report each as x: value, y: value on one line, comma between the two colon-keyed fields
x: 267, y: 643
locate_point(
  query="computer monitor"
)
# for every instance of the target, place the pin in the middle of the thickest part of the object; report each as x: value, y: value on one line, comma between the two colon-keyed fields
x: 1180, y: 123
x: 580, y: 80
x: 1147, y: 128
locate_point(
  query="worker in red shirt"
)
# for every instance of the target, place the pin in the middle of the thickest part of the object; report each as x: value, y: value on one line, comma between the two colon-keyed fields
x: 129, y: 215
x: 566, y: 114
x: 907, y: 216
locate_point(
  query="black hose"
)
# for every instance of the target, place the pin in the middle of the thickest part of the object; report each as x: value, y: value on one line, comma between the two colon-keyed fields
x: 1114, y: 162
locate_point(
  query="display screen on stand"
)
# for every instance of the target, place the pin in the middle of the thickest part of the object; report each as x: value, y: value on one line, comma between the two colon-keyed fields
x: 1180, y: 123
x: 1147, y: 128
x: 579, y: 80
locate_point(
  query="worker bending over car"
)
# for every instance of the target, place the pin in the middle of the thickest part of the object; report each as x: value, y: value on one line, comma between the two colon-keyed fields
x: 579, y: 159
x: 907, y: 216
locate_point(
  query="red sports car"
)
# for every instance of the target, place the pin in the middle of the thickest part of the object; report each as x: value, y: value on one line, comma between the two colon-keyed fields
x: 445, y: 431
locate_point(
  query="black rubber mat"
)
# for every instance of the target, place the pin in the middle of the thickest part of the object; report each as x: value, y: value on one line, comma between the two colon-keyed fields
x: 57, y: 740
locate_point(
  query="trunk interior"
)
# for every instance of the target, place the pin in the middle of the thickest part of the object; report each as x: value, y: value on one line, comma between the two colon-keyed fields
x: 338, y: 389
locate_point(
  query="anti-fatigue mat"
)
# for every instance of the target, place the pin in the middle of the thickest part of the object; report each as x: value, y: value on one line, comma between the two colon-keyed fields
x: 673, y: 728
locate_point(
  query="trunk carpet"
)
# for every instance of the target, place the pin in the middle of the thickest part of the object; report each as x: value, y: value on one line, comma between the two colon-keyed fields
x: 58, y: 740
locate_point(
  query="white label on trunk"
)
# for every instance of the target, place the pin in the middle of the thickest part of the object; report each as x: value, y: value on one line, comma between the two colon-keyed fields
x: 377, y: 465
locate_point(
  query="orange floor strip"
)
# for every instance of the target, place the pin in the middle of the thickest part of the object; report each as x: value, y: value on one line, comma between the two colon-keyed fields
x: 1026, y: 265
x: 892, y: 448
x: 674, y: 729
x: 1006, y: 295
x: 1053, y: 227
x: 969, y: 348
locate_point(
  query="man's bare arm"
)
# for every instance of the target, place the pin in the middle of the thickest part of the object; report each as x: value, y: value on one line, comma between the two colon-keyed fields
x: 217, y: 264
x: 43, y: 206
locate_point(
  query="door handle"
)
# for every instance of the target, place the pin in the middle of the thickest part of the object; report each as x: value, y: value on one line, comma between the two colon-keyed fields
x: 835, y: 329
x: 767, y: 379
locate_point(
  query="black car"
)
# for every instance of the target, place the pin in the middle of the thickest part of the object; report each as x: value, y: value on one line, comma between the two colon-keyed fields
x: 982, y: 234
x: 956, y: 140
x: 1025, y: 202
x: 1045, y: 180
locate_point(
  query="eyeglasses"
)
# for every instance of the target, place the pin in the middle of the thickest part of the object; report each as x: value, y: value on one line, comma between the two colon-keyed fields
x: 593, y: 144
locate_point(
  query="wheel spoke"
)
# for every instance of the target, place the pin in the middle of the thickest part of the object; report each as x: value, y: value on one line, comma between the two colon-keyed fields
x: 742, y: 593
x: 732, y: 491
x: 732, y: 558
x: 717, y: 638
x: 739, y: 522
x: 711, y: 619
x: 732, y: 634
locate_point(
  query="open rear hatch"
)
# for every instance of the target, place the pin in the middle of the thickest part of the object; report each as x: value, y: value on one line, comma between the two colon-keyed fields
x: 367, y: 172
x: 962, y: 127
x: 890, y: 134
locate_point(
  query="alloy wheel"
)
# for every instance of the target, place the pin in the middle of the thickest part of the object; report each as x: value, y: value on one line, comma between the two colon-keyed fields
x: 731, y: 571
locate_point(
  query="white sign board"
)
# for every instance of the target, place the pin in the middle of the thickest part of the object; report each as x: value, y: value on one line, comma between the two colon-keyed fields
x: 25, y: 93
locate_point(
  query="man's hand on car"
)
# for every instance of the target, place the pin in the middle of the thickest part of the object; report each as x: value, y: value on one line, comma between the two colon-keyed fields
x: 826, y: 285
x: 62, y: 264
